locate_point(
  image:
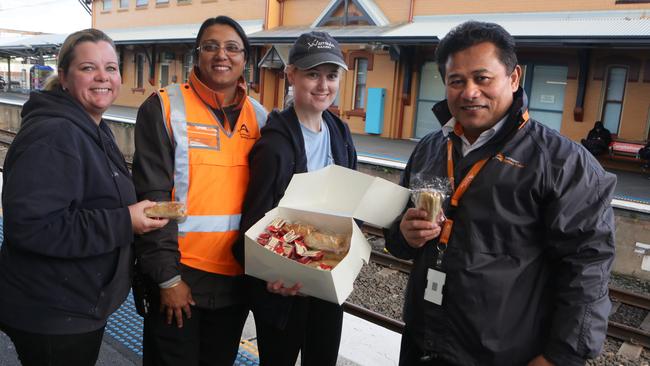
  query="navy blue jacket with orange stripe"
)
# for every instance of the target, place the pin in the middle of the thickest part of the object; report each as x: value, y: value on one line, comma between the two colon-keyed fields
x: 529, y: 255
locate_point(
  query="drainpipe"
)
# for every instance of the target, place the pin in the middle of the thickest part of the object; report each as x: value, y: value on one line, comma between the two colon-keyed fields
x: 583, y: 59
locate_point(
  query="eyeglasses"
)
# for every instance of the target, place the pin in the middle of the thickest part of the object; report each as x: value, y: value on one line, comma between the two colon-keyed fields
x: 230, y: 49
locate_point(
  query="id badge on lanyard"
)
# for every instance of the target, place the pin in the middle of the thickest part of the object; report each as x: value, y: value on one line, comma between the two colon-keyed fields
x: 435, y: 276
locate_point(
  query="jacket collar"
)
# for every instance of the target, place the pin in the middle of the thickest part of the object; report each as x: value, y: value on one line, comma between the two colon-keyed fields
x: 515, y: 114
x: 213, y: 98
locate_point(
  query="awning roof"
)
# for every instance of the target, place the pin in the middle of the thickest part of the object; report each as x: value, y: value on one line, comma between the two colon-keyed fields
x: 32, y: 42
x: 177, y: 33
x: 610, y: 28
x: 621, y: 28
x: 343, y: 34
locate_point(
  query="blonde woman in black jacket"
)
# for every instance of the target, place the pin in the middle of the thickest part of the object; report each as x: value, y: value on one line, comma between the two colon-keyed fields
x: 70, y: 212
x: 303, y: 137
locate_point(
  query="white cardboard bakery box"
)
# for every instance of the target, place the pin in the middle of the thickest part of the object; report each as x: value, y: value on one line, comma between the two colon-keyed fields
x: 329, y: 199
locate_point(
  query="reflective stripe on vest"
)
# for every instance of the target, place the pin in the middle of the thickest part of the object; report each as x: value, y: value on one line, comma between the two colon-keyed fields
x: 178, y: 122
x: 210, y: 175
x: 209, y: 224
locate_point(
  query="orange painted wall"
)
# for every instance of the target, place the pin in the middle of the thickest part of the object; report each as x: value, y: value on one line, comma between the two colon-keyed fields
x: 302, y: 12
x: 395, y: 11
x: 423, y: 7
x: 381, y: 76
x: 636, y: 105
x: 173, y: 13
x: 272, y: 14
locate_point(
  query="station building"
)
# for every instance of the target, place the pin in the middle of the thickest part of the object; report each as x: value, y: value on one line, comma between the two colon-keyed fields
x: 583, y: 60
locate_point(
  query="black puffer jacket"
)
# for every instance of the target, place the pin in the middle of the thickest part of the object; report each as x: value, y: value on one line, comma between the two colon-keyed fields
x: 275, y: 158
x: 530, y: 252
x: 66, y: 257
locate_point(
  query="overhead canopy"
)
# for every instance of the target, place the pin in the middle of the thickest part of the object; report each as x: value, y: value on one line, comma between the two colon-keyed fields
x: 620, y: 28
x: 343, y: 34
x: 590, y: 28
x: 29, y: 46
x: 177, y: 33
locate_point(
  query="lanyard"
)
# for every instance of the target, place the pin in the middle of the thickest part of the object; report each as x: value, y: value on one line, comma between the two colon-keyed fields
x: 459, y: 191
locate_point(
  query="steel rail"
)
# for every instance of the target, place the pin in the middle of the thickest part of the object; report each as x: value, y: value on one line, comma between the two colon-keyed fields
x: 627, y: 333
x: 373, y: 317
x: 630, y: 298
x: 389, y: 261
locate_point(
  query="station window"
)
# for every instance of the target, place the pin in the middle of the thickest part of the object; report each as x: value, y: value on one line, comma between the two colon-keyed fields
x: 107, y: 5
x: 141, y: 3
x: 613, y: 103
x: 139, y: 71
x: 188, y: 62
x: 162, y: 1
x: 124, y: 4
x: 431, y: 91
x: 361, y: 76
x: 184, y: 1
x: 545, y: 86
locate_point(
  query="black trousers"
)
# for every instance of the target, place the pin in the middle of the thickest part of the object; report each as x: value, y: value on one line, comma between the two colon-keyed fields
x: 411, y: 354
x: 210, y: 337
x: 314, y: 330
x: 36, y: 349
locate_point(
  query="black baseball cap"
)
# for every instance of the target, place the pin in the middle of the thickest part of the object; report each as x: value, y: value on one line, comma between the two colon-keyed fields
x: 316, y: 48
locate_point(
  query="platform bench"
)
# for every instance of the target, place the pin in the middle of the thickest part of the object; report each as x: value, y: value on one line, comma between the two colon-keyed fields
x: 625, y: 150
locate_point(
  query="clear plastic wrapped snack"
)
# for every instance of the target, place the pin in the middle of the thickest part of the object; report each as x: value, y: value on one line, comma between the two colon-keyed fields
x: 428, y: 193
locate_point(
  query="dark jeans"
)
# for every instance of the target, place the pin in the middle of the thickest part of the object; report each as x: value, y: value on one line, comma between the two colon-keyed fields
x: 56, y: 349
x: 595, y: 147
x: 210, y: 337
x: 314, y: 329
x: 411, y: 354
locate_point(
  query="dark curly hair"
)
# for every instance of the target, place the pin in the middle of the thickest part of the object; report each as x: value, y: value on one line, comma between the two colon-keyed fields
x: 471, y: 33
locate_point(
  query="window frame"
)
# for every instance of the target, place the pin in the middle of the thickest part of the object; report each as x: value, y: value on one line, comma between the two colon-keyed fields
x: 110, y: 5
x: 188, y: 64
x: 139, y: 71
x: 359, y: 103
x: 123, y: 7
x: 351, y: 58
x: 140, y: 5
x: 418, y: 98
x: 606, y: 101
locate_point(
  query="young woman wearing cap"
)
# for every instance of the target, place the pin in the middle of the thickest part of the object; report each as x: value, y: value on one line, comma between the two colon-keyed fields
x: 301, y: 138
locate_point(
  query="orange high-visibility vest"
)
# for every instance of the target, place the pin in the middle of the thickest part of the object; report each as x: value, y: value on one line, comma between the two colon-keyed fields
x: 210, y: 175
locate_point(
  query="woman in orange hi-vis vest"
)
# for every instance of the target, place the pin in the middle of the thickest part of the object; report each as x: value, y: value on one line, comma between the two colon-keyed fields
x: 192, y: 143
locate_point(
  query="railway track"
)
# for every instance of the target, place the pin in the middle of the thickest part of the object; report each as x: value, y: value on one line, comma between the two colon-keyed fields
x: 616, y: 330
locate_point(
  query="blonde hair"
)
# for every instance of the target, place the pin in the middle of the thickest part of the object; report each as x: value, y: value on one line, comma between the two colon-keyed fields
x: 66, y: 53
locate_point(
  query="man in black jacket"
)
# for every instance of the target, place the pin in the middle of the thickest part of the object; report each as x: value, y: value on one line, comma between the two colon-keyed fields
x: 598, y: 139
x: 518, y: 272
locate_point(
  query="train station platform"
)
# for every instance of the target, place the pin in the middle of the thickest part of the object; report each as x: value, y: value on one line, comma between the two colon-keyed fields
x: 371, y: 149
x: 362, y: 343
